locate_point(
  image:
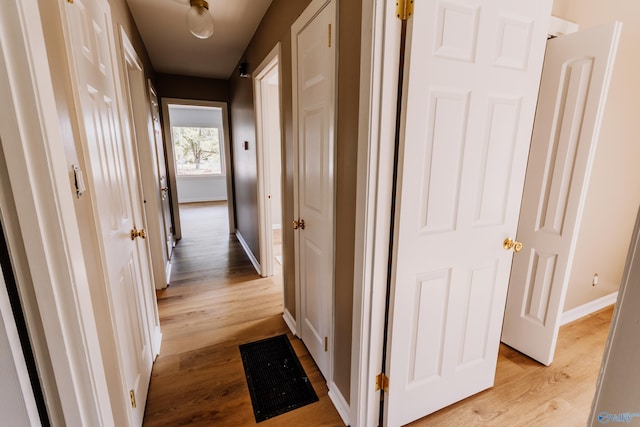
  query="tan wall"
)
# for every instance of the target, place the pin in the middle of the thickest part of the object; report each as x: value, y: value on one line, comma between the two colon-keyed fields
x: 614, y: 191
x: 58, y: 61
x: 184, y: 87
x: 276, y: 26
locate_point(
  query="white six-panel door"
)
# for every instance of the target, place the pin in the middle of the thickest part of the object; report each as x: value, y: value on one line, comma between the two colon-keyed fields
x: 575, y: 79
x: 112, y: 180
x: 314, y: 69
x: 472, y: 75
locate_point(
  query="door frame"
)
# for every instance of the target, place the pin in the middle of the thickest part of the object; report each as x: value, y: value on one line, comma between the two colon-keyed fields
x: 379, y: 74
x: 139, y: 115
x: 264, y: 146
x: 171, y: 164
x: 379, y: 71
x: 47, y: 226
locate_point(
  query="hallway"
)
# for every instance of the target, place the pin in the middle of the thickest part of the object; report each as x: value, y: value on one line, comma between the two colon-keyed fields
x: 216, y: 301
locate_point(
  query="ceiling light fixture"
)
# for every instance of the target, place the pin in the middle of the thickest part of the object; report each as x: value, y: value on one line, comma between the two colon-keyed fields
x: 199, y: 20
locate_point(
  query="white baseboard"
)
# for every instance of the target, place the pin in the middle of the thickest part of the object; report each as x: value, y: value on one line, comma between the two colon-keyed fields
x: 339, y: 402
x: 247, y: 250
x: 157, y: 342
x: 588, y: 308
x: 290, y: 321
x: 168, y: 272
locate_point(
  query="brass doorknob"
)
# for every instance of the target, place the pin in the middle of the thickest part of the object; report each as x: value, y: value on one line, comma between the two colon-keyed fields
x: 298, y: 224
x: 509, y: 244
x: 138, y: 233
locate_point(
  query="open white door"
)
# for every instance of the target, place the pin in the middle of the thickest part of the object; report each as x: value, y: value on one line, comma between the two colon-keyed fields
x: 163, y: 180
x: 314, y: 123
x: 575, y: 80
x: 471, y: 84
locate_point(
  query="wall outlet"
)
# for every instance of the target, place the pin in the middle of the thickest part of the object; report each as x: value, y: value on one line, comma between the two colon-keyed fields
x: 595, y: 280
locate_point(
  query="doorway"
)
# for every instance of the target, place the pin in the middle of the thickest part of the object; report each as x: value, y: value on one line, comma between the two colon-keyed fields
x: 267, y: 101
x: 441, y: 278
x: 198, y: 155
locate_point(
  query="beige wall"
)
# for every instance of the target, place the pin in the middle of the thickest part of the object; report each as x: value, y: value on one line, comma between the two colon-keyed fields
x: 56, y: 53
x: 614, y: 191
x: 276, y: 26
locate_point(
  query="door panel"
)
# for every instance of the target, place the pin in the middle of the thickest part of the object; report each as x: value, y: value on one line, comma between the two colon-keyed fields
x: 112, y: 180
x: 573, y: 89
x: 471, y: 83
x: 315, y: 103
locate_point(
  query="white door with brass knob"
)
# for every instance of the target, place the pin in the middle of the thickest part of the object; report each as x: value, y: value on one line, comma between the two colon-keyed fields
x: 115, y: 198
x: 472, y: 84
x: 314, y: 123
x: 573, y: 89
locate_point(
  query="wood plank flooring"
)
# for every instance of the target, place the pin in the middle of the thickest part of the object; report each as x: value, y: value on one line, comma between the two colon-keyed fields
x: 529, y: 394
x: 216, y: 301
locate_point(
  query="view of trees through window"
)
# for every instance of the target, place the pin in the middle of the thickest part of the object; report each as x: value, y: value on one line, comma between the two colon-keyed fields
x: 197, y: 150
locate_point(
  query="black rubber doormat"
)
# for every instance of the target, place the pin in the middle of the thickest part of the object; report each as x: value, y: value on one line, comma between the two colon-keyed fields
x: 277, y: 383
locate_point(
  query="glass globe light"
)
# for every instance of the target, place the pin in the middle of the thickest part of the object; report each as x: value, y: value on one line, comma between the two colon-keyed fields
x: 199, y: 20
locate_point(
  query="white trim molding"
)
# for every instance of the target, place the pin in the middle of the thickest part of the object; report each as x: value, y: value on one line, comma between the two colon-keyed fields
x: 247, y: 250
x: 339, y: 403
x: 290, y: 321
x: 588, y: 308
x: 379, y: 67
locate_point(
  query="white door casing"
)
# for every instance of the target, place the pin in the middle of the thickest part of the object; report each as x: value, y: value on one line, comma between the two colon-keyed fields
x: 573, y: 90
x: 163, y: 180
x: 265, y: 117
x: 112, y: 184
x: 142, y: 134
x: 313, y: 46
x: 471, y: 83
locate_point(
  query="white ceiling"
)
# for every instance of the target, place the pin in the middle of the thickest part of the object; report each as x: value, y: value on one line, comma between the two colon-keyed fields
x: 172, y: 48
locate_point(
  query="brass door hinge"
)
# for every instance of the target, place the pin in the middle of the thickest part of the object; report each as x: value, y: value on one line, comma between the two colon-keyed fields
x: 132, y: 395
x: 329, y: 35
x: 404, y: 9
x: 326, y: 343
x: 382, y: 382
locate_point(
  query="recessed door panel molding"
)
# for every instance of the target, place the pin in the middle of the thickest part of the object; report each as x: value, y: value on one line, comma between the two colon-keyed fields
x: 497, y: 160
x: 541, y: 275
x: 479, y: 295
x: 444, y: 149
x: 514, y: 43
x: 567, y: 121
x: 430, y: 322
x: 573, y: 90
x: 315, y: 157
x: 457, y: 30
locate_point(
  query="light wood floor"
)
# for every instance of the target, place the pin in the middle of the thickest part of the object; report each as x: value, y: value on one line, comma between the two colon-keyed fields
x: 529, y: 394
x: 216, y: 301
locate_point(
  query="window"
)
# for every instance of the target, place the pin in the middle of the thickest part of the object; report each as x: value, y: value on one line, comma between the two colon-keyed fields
x: 197, y: 150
